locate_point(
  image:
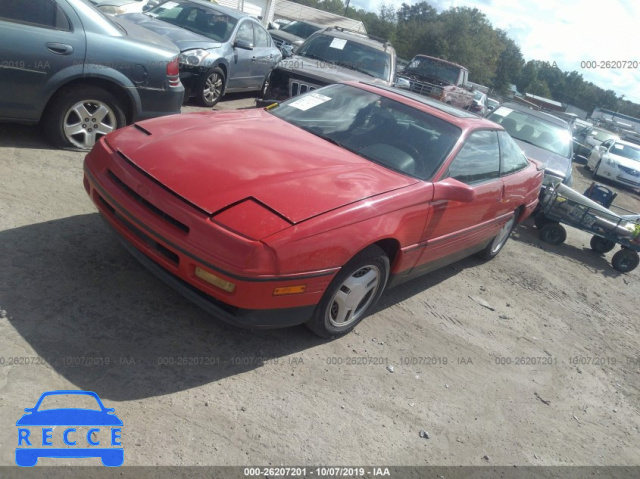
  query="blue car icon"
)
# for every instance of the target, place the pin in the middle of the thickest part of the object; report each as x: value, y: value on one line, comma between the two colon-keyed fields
x: 99, y: 419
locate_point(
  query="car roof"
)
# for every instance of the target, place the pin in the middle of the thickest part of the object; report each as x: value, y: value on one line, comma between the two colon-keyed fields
x: 214, y: 6
x: 461, y: 118
x: 439, y: 60
x: 377, y: 43
x: 538, y: 114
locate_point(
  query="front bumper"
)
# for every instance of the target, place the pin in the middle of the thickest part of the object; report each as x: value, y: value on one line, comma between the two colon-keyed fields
x: 167, y: 235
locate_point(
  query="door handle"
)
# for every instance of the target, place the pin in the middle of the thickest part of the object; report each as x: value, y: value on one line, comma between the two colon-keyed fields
x: 59, y: 48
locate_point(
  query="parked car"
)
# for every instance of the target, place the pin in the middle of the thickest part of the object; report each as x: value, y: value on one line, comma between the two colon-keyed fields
x: 479, y: 105
x: 331, y: 56
x: 590, y: 137
x: 313, y: 207
x: 492, y: 104
x: 82, y: 74
x: 293, y: 34
x: 616, y: 160
x: 541, y: 136
x: 222, y: 50
x: 439, y: 79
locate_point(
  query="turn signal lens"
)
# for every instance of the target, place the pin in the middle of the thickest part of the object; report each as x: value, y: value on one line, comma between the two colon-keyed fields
x: 215, y: 280
x: 290, y: 290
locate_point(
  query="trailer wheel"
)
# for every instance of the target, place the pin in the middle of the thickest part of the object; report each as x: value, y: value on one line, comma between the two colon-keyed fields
x: 553, y: 233
x: 540, y: 220
x: 625, y: 260
x: 601, y: 245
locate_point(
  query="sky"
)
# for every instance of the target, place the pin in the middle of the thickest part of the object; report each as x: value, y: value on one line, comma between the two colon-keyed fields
x: 567, y: 32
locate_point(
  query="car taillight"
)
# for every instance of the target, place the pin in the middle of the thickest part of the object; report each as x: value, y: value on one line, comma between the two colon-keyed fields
x: 173, y: 72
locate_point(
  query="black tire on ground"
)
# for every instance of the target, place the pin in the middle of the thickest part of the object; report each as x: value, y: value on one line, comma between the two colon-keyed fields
x: 351, y: 294
x: 540, y: 220
x: 625, y: 260
x: 210, y: 87
x: 77, y: 117
x: 601, y: 245
x: 498, y: 242
x: 553, y: 233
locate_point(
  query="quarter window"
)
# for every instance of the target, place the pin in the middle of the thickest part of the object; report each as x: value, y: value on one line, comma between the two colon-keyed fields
x: 478, y: 160
x: 40, y: 13
x: 513, y: 159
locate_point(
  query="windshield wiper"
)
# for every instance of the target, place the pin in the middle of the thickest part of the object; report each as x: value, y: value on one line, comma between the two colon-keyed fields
x: 313, y: 131
x: 352, y: 67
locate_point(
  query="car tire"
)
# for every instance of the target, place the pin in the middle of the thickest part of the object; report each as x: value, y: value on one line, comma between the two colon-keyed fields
x: 553, y: 233
x: 63, y: 121
x: 625, y: 260
x: 601, y: 245
x: 540, y: 220
x: 497, y: 243
x: 351, y: 294
x: 210, y: 88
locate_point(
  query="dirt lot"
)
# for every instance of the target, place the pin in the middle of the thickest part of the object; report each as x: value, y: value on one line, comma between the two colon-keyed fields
x: 549, y: 377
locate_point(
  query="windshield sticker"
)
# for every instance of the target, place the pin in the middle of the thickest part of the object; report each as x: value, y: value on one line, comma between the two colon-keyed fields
x: 618, y: 147
x: 338, y: 43
x: 503, y: 111
x: 309, y: 101
x: 169, y: 5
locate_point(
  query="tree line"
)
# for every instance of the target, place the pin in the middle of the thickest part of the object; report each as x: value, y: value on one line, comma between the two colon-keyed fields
x: 465, y: 35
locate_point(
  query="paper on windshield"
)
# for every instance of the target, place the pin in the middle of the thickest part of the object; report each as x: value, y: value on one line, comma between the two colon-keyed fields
x: 338, y: 43
x: 309, y: 101
x: 503, y: 111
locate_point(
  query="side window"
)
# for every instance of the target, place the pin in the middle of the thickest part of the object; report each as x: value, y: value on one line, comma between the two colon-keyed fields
x: 245, y: 32
x: 40, y: 13
x: 262, y: 37
x: 513, y: 159
x: 478, y: 160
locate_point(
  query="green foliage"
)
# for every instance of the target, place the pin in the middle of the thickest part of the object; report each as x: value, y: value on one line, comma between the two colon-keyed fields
x: 465, y: 36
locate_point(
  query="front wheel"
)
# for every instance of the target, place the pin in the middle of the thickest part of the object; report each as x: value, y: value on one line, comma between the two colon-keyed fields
x: 498, y: 242
x: 351, y: 294
x: 625, y: 260
x: 78, y: 117
x: 601, y: 245
x: 210, y: 88
x: 553, y: 233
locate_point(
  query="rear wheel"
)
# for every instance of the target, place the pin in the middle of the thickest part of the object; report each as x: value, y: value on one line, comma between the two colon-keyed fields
x: 351, y: 294
x: 210, y: 88
x: 625, y: 260
x: 553, y: 233
x: 601, y: 245
x: 498, y: 242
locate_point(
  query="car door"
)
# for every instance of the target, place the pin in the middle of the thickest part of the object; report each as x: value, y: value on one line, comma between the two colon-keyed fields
x: 263, y: 55
x: 456, y: 228
x: 515, y: 187
x: 39, y: 39
x: 241, y: 71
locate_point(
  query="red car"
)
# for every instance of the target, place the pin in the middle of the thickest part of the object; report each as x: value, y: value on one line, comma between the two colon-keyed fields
x: 304, y: 212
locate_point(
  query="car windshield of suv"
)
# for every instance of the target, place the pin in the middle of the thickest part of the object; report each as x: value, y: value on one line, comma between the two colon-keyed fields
x: 375, y: 127
x: 534, y: 130
x: 626, y: 151
x: 347, y: 53
x: 205, y: 21
x: 427, y: 67
x: 300, y: 29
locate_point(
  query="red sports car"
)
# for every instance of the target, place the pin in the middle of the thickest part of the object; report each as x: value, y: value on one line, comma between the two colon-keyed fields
x: 304, y: 212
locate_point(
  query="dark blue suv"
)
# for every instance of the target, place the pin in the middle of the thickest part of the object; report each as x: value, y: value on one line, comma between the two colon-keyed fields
x: 80, y: 73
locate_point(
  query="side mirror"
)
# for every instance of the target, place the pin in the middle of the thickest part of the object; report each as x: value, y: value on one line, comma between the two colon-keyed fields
x: 287, y: 51
x: 451, y: 189
x: 245, y: 45
x: 402, y: 83
x: 146, y: 8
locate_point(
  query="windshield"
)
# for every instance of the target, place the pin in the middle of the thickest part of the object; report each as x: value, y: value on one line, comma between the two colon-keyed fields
x: 300, y: 29
x: 205, y: 21
x: 348, y: 54
x: 432, y: 68
x: 377, y: 128
x: 534, y: 130
x: 626, y: 151
x: 602, y: 135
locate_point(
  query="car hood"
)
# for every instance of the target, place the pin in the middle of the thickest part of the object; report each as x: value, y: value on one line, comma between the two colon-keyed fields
x: 214, y: 160
x: 290, y: 37
x: 181, y: 37
x: 556, y: 164
x: 412, y: 75
x: 69, y: 417
x: 325, y: 72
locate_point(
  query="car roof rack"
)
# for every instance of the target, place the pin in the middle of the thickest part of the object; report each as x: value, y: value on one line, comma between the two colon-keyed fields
x: 368, y: 35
